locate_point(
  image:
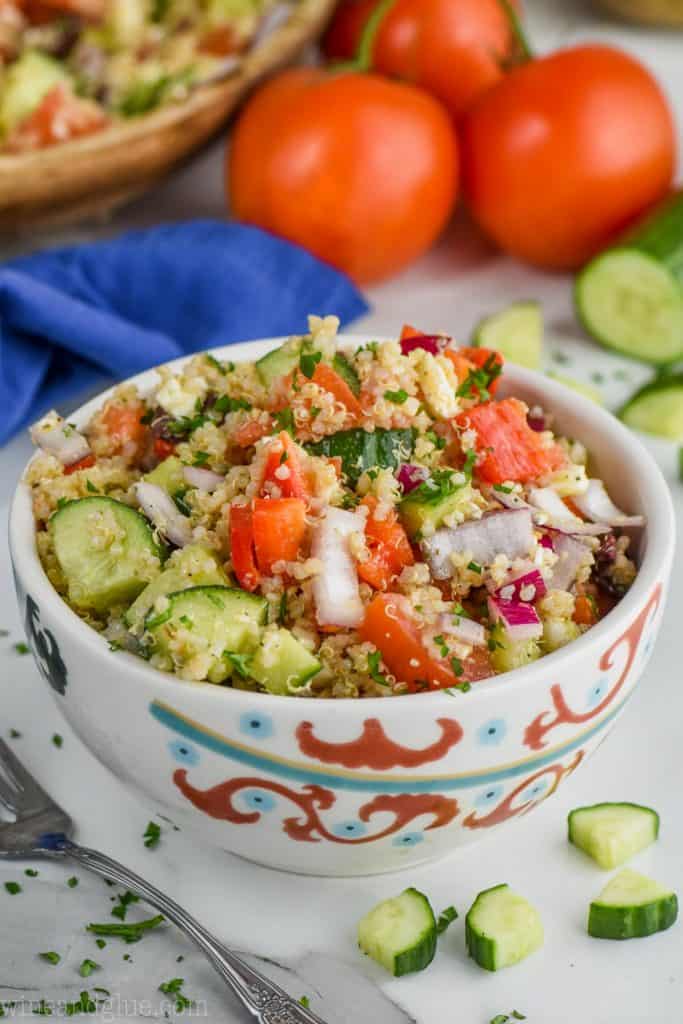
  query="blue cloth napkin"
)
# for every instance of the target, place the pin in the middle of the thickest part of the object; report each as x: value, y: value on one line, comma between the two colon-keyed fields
x: 72, y: 317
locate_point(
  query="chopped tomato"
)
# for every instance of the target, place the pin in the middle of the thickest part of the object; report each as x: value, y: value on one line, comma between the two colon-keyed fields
x: 509, y: 448
x: 283, y: 468
x: 122, y: 422
x: 163, y: 448
x: 250, y: 432
x: 329, y: 380
x: 242, y: 547
x: 390, y: 626
x: 389, y: 548
x: 462, y: 365
x: 221, y: 41
x: 585, y: 611
x: 85, y: 463
x: 60, y: 116
x: 279, y: 527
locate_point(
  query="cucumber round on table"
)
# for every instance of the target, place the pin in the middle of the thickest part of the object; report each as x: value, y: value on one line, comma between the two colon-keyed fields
x: 107, y: 552
x: 502, y: 928
x: 516, y: 332
x: 400, y: 933
x: 631, y: 906
x: 630, y: 297
x: 611, y: 833
x: 657, y: 408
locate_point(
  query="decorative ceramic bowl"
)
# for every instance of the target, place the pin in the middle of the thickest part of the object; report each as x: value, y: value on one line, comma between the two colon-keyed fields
x: 346, y: 787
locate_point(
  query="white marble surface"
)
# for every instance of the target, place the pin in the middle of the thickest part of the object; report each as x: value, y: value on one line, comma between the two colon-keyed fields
x: 309, y: 923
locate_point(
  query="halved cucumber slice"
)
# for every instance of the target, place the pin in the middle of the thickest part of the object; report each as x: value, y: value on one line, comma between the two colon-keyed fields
x: 580, y: 386
x: 194, y: 631
x: 400, y: 933
x: 502, y: 928
x: 631, y: 906
x: 281, y: 664
x: 516, y: 332
x: 106, y: 550
x: 657, y: 408
x: 610, y: 833
x: 191, y: 566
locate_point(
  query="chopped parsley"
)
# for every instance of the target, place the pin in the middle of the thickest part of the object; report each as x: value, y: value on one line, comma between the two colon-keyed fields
x: 186, y: 425
x: 475, y: 567
x: 179, y: 501
x: 50, y: 958
x: 442, y: 645
x: 89, y: 486
x: 397, y: 397
x: 239, y: 662
x: 72, y: 882
x: 22, y: 648
x: 284, y: 420
x: 226, y: 404
x: 100, y: 943
x: 374, y: 660
x: 200, y: 458
x: 57, y: 740
x: 503, y: 488
x: 124, y: 901
x: 147, y: 417
x: 456, y: 665
x: 315, y: 411
x: 479, y: 380
x: 152, y: 835
x: 131, y: 931
x: 446, y: 918
x: 216, y: 363
x: 438, y: 442
x: 305, y: 1002
x: 308, y: 362
x: 87, y: 967
x: 441, y: 484
x: 158, y: 620
x: 174, y: 988
x: 13, y: 888
x: 31, y: 873
x: 505, y: 1018
x: 14, y: 734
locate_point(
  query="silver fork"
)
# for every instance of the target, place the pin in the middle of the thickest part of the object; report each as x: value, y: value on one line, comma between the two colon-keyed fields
x: 41, y: 829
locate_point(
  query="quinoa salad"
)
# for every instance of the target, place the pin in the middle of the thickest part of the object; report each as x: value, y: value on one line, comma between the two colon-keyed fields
x: 329, y: 522
x: 69, y: 68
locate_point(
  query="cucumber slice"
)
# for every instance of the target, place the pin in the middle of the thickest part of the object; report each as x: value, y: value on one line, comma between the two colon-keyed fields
x: 196, y: 629
x: 630, y: 298
x: 611, y: 833
x: 400, y: 933
x: 427, y: 506
x: 360, y: 450
x: 580, y: 386
x: 279, y: 362
x: 106, y: 551
x: 343, y: 367
x: 502, y: 928
x: 657, y: 408
x: 169, y: 475
x: 281, y: 664
x: 631, y: 906
x: 516, y: 332
x: 191, y: 566
x: 507, y: 654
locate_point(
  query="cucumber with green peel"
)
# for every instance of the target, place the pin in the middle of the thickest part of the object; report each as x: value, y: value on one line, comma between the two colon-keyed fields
x: 507, y: 653
x: 281, y: 664
x: 588, y: 391
x: 502, y: 928
x: 342, y: 366
x: 516, y: 332
x: 106, y: 550
x: 202, y: 626
x: 630, y: 296
x: 611, y: 833
x: 191, y: 566
x: 361, y: 450
x: 400, y: 933
x: 279, y: 362
x: 632, y: 906
x: 657, y: 408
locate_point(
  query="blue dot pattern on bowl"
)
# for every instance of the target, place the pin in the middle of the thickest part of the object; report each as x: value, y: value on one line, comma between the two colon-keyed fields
x: 492, y: 732
x: 259, y: 800
x: 487, y: 797
x: 534, y: 791
x: 184, y: 752
x: 597, y: 692
x: 349, y: 829
x: 407, y: 839
x: 257, y: 725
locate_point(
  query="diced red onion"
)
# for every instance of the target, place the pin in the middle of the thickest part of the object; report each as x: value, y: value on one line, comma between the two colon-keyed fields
x: 509, y: 532
x: 519, y: 619
x: 336, y: 589
x: 571, y: 555
x: 411, y: 477
x: 528, y: 587
x: 203, y: 479
x: 160, y: 508
x: 546, y: 541
x: 595, y: 504
x: 433, y: 343
x: 555, y: 514
x: 467, y: 630
x: 54, y: 435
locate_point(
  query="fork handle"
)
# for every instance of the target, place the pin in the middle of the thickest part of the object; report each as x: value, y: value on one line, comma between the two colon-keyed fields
x: 266, y: 1002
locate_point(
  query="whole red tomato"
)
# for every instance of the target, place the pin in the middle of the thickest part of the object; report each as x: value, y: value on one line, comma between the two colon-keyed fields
x: 359, y: 170
x: 454, y: 49
x: 564, y: 152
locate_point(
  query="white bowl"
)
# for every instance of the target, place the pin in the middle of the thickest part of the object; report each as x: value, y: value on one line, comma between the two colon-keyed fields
x: 346, y: 787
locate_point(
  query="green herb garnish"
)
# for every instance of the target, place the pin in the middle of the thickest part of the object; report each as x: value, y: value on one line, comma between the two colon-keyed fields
x: 479, y: 380
x: 503, y: 488
x: 239, y: 662
x: 308, y: 362
x: 31, y: 873
x: 158, y: 620
x: 124, y: 901
x: 57, y: 740
x: 131, y: 931
x: 284, y: 420
x: 474, y: 567
x: 89, y: 486
x: 174, y: 988
x: 226, y: 404
x: 374, y: 659
x: 13, y: 888
x: 50, y: 958
x: 397, y: 397
x: 216, y: 363
x: 72, y: 882
x: 87, y: 967
x: 200, y: 458
x: 305, y: 1002
x: 152, y: 835
x: 22, y: 648
x: 14, y: 734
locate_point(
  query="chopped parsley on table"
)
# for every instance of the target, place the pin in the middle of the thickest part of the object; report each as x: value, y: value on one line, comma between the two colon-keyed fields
x: 22, y: 648
x: 14, y: 734
x: 131, y: 931
x: 152, y: 835
x: 174, y: 988
x: 124, y: 901
x: 305, y: 1002
x: 50, y: 957
x: 31, y: 872
x: 87, y: 967
x: 13, y: 888
x: 57, y: 740
x: 72, y: 882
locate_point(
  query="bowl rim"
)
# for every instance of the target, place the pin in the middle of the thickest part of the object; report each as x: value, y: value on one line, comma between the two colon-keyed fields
x: 654, y: 566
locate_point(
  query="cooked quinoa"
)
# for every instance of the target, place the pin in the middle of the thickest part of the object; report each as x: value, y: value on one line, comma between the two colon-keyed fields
x: 329, y: 522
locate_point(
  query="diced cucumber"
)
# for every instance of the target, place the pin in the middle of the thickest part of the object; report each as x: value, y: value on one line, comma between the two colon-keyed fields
x: 558, y: 633
x: 361, y: 450
x: 427, y: 506
x: 516, y: 332
x: 343, y: 367
x: 611, y: 833
x: 657, y: 408
x: 507, y: 654
x: 106, y: 551
x: 26, y: 83
x: 169, y: 475
x: 191, y: 566
x: 502, y: 928
x: 580, y: 386
x: 630, y: 297
x: 279, y: 362
x: 281, y: 664
x: 631, y: 906
x: 199, y: 627
x: 400, y: 933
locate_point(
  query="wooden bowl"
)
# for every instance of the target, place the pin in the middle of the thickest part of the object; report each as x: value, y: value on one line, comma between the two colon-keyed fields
x: 653, y: 12
x: 92, y: 175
